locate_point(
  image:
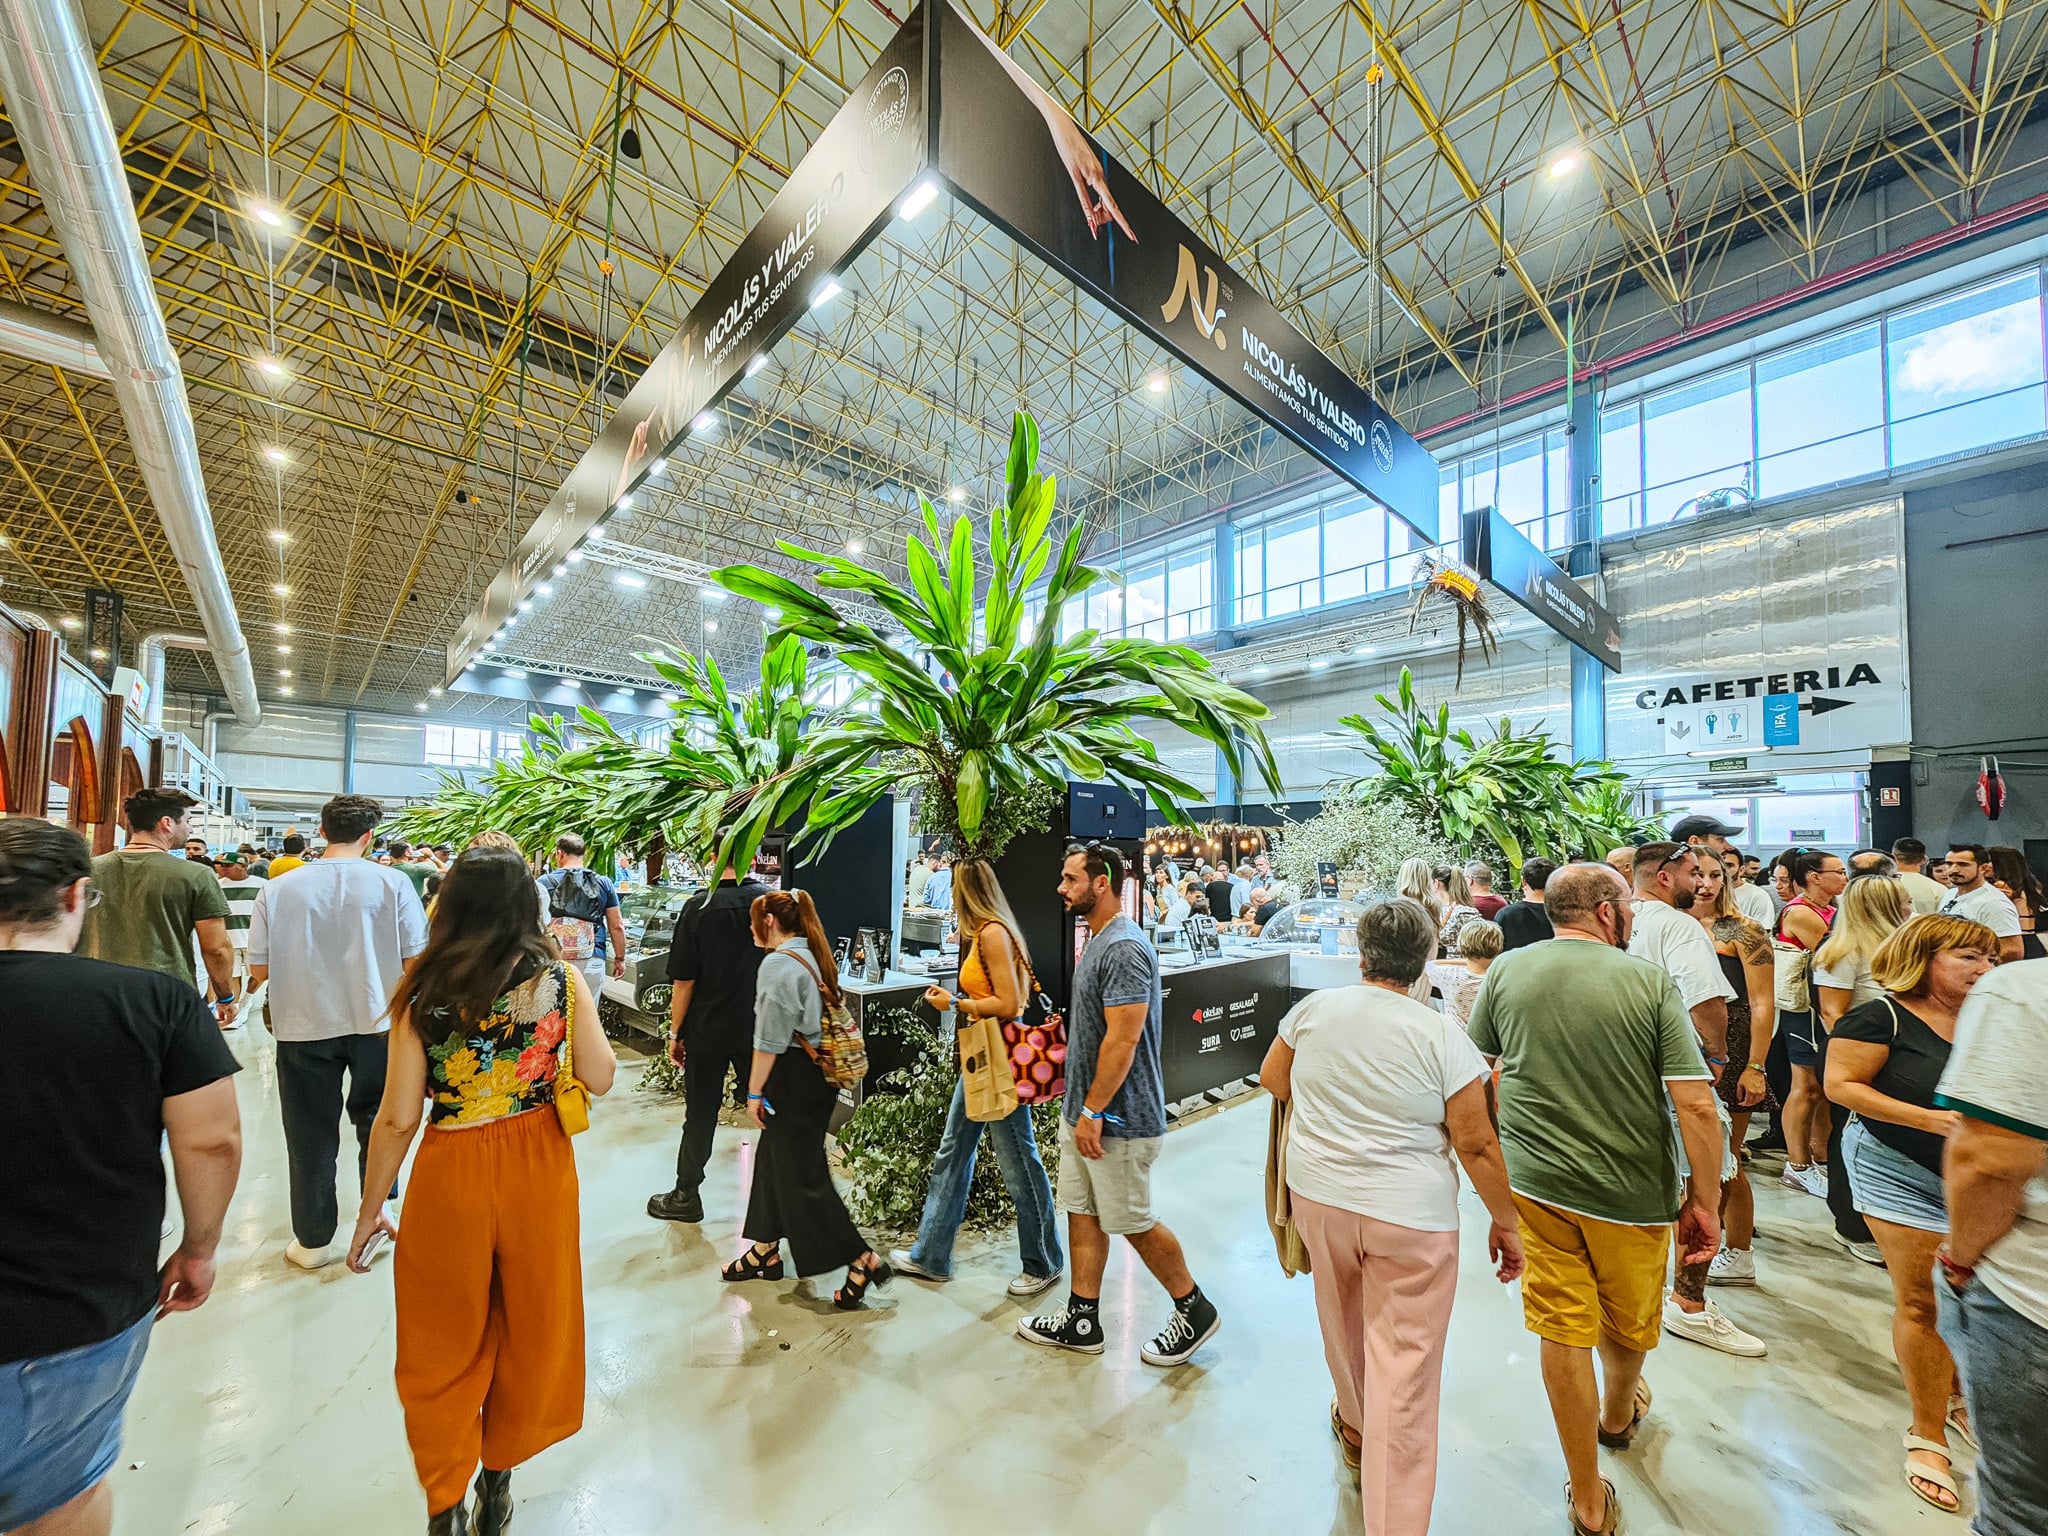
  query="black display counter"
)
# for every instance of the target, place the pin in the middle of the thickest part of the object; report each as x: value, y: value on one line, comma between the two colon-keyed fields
x: 1218, y: 1019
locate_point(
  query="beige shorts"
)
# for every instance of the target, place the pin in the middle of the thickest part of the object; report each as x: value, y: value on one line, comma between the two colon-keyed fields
x: 1116, y: 1188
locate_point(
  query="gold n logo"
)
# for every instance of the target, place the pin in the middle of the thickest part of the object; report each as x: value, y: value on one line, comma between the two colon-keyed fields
x: 1187, y: 290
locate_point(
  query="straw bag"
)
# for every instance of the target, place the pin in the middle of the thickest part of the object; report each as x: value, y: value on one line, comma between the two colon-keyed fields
x: 572, y: 1099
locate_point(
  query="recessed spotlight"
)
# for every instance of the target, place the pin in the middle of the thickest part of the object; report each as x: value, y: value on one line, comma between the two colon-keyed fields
x: 1261, y: 670
x: 284, y: 671
x: 827, y: 292
x: 435, y: 692
x: 280, y: 589
x: 545, y: 590
x: 668, y: 698
x: 1156, y: 384
x: 917, y: 199
x: 286, y: 690
x: 559, y: 570
x: 284, y: 650
x: 421, y: 706
x: 956, y: 495
x: 575, y: 556
x: 596, y: 536
x: 706, y: 421
x: 1365, y: 650
x: 469, y: 666
x: 267, y: 214
x: 1320, y: 664
x: 853, y: 546
x: 271, y: 367
x: 514, y: 672
x: 628, y: 579
x: 281, y: 629
x: 523, y: 607
x: 279, y: 536
x: 710, y: 624
x: 756, y: 363
x: 657, y: 469
x: 625, y: 503
x: 1564, y: 162
x: 277, y: 455
x: 69, y: 622
x: 98, y: 653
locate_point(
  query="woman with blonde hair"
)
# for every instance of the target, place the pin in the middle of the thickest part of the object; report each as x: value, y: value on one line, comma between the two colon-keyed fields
x: 488, y: 1283
x: 1449, y: 884
x: 1869, y: 910
x: 790, y: 1099
x: 994, y: 977
x: 1884, y: 1062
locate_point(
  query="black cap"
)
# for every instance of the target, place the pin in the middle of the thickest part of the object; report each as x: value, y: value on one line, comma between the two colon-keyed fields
x: 1690, y: 827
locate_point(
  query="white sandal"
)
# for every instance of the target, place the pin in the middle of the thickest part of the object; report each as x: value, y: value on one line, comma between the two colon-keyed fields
x: 1939, y: 1476
x: 1959, y: 1422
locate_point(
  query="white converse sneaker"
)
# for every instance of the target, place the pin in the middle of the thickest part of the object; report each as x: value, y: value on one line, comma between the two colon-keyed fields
x: 1711, y: 1329
x: 905, y: 1264
x: 1732, y: 1266
x: 1031, y: 1285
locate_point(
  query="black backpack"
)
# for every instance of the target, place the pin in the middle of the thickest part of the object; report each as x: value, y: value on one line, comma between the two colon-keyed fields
x: 579, y: 894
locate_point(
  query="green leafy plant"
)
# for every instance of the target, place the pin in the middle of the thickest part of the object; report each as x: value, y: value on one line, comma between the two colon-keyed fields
x: 888, y: 1146
x: 1507, y: 790
x: 968, y: 704
x: 1366, y: 839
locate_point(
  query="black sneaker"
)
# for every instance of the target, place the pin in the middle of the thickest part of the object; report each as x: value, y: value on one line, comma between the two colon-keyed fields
x: 1189, y: 1329
x: 1065, y: 1329
x: 677, y: 1205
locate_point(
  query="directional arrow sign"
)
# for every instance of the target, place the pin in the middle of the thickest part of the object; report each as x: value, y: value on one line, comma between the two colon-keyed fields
x: 1819, y: 706
x: 1681, y: 728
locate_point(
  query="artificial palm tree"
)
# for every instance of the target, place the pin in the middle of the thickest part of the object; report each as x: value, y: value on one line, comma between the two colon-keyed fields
x: 982, y: 714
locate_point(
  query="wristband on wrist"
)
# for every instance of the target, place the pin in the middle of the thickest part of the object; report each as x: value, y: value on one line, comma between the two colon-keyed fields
x: 1717, y: 1061
x: 222, y: 1001
x: 1953, y: 1265
x: 755, y: 1098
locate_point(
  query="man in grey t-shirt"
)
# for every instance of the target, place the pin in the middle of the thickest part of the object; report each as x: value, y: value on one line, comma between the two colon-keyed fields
x: 1113, y: 1121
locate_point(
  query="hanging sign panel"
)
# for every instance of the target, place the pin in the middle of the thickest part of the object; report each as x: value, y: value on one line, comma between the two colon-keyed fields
x: 1015, y: 154
x: 834, y: 202
x: 1498, y: 551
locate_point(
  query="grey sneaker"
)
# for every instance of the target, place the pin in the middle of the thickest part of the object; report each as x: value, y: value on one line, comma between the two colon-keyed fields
x: 1030, y: 1285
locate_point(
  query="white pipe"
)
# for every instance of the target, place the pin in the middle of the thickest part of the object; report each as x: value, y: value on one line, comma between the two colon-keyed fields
x: 48, y: 338
x: 50, y: 79
x: 149, y: 660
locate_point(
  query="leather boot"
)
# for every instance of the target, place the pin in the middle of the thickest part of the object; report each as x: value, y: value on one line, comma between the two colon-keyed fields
x: 493, y: 1502
x: 450, y: 1522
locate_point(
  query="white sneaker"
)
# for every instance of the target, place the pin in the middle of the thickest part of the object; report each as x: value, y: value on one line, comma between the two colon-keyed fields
x: 900, y: 1258
x: 1732, y: 1266
x: 1711, y: 1329
x: 308, y: 1258
x: 1810, y: 1180
x: 1869, y: 1253
x: 1031, y: 1285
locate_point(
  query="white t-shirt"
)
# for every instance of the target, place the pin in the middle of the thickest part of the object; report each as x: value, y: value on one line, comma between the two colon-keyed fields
x: 1372, y: 1072
x: 1754, y: 903
x: 335, y: 940
x: 1987, y: 905
x: 1853, y: 978
x: 1998, y: 1073
x: 1676, y: 944
x: 1928, y: 895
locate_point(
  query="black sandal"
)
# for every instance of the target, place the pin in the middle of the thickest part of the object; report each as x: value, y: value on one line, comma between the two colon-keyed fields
x: 751, y: 1265
x: 852, y: 1296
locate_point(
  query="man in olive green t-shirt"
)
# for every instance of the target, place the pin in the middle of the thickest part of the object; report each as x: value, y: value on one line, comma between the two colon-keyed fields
x: 152, y: 900
x: 1590, y: 1044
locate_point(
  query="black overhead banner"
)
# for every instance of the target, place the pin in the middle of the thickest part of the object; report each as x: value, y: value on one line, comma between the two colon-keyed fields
x: 1023, y: 162
x: 1497, y: 550
x: 952, y: 102
x: 837, y: 198
x: 102, y: 632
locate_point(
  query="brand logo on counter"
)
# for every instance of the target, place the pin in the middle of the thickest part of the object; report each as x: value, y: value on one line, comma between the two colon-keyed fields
x: 1243, y: 1032
x: 1187, y: 290
x: 1210, y: 1043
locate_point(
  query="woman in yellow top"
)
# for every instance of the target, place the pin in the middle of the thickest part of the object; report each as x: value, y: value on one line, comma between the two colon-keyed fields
x: 489, y: 1279
x: 992, y: 985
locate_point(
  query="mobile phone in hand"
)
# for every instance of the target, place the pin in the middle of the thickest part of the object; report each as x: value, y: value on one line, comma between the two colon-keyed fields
x: 377, y: 1240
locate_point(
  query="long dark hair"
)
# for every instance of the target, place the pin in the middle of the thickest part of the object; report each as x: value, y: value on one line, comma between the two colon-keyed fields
x: 794, y: 913
x: 486, y: 924
x: 2010, y: 866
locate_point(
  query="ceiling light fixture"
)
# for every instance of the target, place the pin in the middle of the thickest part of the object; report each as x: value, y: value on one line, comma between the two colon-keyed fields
x: 575, y: 556
x: 628, y: 579
x: 706, y: 421
x: 525, y: 606
x: 421, y: 706
x: 710, y: 625
x: 657, y: 469
x: 280, y: 589
x: 281, y: 629
x: 917, y: 199
x: 545, y: 590
x: 853, y: 546
x: 277, y: 455
x: 1366, y: 650
x: 284, y: 650
x: 435, y: 692
x: 1320, y: 664
x: 279, y: 536
x: 286, y: 690
x: 1564, y: 163
x: 625, y: 503
x: 1261, y: 670
x: 711, y: 594
x: 284, y: 671
x: 756, y: 363
x: 956, y: 495
x: 596, y: 536
x: 469, y: 666
x: 68, y: 622
x: 267, y: 214
x: 98, y: 653
x: 668, y: 698
x: 514, y: 673
x: 828, y: 290
x: 272, y: 367
x: 1157, y: 383
x: 559, y: 570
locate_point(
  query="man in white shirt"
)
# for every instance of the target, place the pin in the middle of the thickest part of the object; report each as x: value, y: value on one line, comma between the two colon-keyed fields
x: 1975, y: 897
x: 331, y: 941
x: 1669, y: 937
x: 1910, y: 854
x: 1991, y: 1290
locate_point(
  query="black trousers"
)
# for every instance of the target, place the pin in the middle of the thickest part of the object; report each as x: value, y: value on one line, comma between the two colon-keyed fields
x: 793, y: 1199
x: 706, y: 1063
x: 309, y: 1091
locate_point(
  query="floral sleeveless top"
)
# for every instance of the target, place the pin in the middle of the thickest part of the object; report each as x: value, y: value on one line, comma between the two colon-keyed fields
x: 505, y: 1064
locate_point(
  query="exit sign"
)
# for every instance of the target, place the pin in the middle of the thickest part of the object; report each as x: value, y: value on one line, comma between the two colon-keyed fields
x: 1727, y: 764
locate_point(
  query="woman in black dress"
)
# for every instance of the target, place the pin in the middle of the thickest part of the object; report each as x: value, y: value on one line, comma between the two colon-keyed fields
x: 789, y: 1097
x: 1744, y: 951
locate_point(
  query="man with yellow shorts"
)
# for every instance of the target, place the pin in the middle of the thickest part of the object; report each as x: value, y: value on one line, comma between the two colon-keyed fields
x: 1595, y: 1048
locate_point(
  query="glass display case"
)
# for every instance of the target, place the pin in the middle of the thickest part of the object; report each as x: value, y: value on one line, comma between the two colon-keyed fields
x: 649, y: 913
x: 1307, y: 922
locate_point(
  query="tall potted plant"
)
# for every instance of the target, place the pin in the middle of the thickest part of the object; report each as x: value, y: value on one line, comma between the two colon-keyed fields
x: 983, y: 716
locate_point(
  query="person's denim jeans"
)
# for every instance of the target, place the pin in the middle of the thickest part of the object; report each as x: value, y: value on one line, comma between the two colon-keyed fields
x: 2003, y: 1360
x: 945, y: 1207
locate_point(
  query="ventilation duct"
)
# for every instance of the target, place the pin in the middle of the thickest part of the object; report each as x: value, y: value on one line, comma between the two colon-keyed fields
x: 49, y: 77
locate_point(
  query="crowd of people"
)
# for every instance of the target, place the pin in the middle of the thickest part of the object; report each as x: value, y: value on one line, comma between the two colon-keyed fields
x: 1589, y: 1055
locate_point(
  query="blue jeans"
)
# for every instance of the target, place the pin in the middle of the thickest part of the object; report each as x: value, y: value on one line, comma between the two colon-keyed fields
x: 2003, y: 1360
x: 945, y: 1207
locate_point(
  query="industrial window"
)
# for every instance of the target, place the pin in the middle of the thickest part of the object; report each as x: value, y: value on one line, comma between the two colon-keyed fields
x: 1965, y: 371
x: 458, y: 746
x: 1820, y: 412
x: 1697, y: 438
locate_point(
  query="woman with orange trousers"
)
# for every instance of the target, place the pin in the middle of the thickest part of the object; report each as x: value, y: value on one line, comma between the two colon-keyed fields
x: 489, y: 1277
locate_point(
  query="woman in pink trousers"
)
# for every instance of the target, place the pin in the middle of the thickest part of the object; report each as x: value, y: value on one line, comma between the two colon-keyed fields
x: 1383, y: 1089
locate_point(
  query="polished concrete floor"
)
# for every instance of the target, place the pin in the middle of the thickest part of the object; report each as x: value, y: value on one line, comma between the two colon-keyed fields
x: 760, y: 1409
